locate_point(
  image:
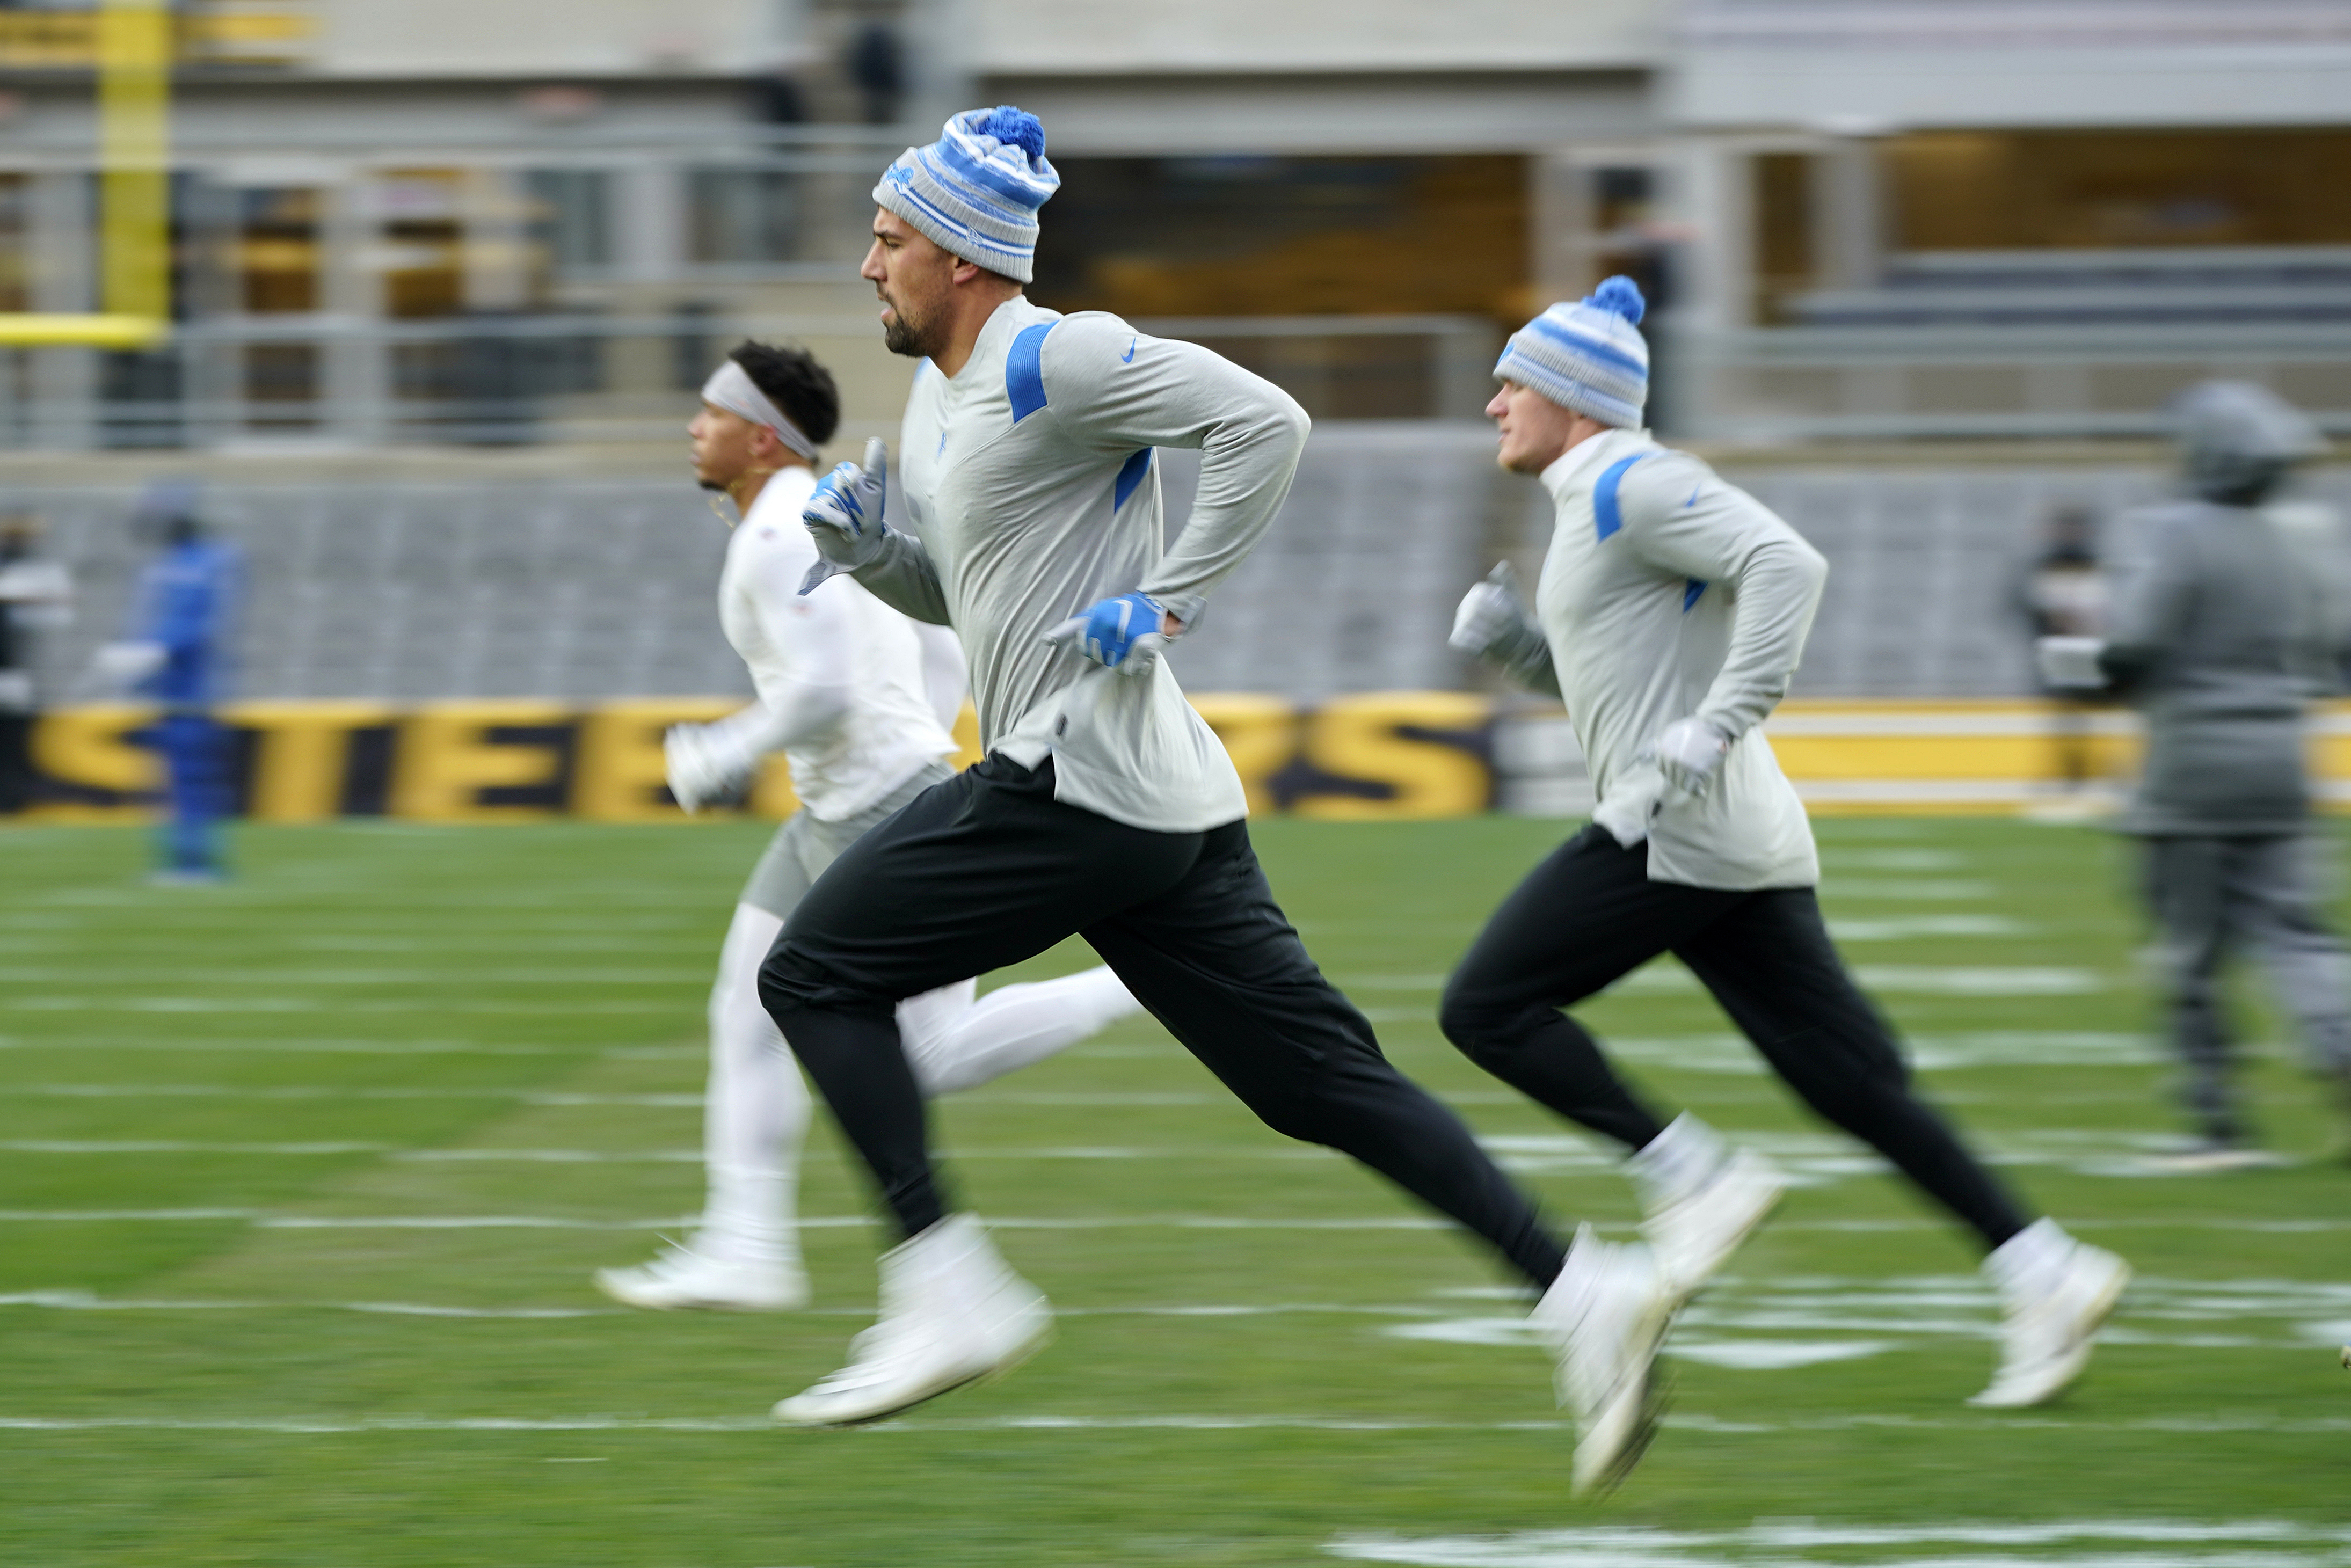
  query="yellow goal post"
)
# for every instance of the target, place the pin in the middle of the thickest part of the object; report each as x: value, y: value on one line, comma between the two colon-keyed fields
x: 135, y: 40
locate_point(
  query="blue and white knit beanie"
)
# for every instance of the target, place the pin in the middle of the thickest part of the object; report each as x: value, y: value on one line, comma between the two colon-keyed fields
x: 1588, y: 357
x: 977, y: 189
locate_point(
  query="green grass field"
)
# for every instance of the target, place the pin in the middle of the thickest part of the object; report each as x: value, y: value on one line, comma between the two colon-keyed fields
x: 301, y: 1181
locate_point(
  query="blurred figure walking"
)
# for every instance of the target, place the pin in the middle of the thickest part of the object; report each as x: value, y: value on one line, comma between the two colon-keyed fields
x: 33, y: 594
x: 2225, y: 621
x: 179, y: 653
x: 2063, y: 594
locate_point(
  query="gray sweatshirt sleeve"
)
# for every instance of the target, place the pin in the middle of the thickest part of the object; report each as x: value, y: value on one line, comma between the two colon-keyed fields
x: 902, y: 578
x: 1680, y: 518
x: 2152, y: 587
x: 1128, y: 391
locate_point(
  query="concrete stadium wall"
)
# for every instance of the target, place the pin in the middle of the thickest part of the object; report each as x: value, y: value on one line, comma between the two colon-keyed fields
x: 442, y: 577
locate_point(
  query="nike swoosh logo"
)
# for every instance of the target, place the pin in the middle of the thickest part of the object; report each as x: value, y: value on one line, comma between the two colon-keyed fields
x: 1693, y: 500
x: 1128, y: 357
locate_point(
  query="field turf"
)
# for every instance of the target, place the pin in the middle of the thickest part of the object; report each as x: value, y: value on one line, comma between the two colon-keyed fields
x: 302, y: 1179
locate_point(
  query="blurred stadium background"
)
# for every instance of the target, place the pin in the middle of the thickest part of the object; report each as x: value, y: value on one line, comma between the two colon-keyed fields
x: 442, y: 279
x: 301, y: 1177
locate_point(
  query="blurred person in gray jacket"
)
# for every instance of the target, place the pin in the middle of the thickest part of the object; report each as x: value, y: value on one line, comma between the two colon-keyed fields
x: 2227, y: 615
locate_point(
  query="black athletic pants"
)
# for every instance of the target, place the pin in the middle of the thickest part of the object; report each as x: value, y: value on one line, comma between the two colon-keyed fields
x: 1590, y: 913
x: 988, y: 869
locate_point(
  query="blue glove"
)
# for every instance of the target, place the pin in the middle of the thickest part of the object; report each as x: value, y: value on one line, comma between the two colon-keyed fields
x: 843, y: 516
x: 1124, y: 634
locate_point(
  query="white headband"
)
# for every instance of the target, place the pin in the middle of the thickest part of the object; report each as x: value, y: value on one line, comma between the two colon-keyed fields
x: 730, y: 387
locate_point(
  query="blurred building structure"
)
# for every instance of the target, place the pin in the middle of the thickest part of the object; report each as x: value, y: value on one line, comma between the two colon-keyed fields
x: 2009, y: 217
x: 1867, y: 225
x: 450, y: 219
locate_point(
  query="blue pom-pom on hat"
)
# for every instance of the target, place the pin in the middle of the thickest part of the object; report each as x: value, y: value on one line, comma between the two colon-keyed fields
x: 1619, y: 295
x: 1017, y: 128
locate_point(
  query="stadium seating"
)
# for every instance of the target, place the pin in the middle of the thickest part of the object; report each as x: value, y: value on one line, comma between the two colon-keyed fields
x: 594, y: 587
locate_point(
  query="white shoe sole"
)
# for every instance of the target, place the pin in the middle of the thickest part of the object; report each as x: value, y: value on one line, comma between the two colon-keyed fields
x: 1620, y: 1434
x: 1619, y: 1438
x: 2049, y: 1382
x: 800, y: 1411
x: 614, y: 1283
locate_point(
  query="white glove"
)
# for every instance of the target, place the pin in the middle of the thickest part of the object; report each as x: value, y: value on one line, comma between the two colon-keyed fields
x: 706, y: 763
x: 1632, y: 806
x: 2070, y: 663
x: 1489, y: 612
x: 120, y: 667
x: 843, y: 516
x: 1688, y: 752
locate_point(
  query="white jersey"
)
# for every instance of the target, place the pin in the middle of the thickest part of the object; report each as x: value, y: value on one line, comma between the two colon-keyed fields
x: 1669, y: 593
x: 842, y: 636
x: 1026, y: 491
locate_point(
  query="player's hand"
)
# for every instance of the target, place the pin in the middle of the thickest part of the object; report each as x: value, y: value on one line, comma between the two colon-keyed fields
x: 1489, y: 612
x: 124, y: 666
x: 1125, y: 633
x: 1632, y: 806
x: 2070, y: 663
x: 706, y: 763
x: 1689, y: 752
x: 843, y: 516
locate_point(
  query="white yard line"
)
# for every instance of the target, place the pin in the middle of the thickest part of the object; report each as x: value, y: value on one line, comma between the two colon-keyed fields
x: 1901, y: 979
x: 1284, y: 1156
x: 240, y: 1044
x: 1899, y: 891
x: 2096, y: 1544
x: 329, y: 1092
x: 337, y: 1426
x: 271, y: 1220
x: 115, y: 973
x: 230, y: 1005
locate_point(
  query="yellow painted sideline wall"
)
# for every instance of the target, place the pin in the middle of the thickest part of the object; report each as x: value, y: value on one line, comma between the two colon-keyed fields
x: 1384, y: 754
x: 1411, y: 753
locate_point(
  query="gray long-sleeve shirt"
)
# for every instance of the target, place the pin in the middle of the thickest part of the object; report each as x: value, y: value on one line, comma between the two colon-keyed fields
x: 1669, y: 593
x: 2220, y: 633
x: 1029, y: 484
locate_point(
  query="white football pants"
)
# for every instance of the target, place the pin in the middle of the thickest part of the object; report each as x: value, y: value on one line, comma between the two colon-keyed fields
x: 756, y: 1111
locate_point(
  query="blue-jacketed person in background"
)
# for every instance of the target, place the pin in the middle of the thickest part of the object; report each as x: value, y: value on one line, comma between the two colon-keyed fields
x: 179, y: 653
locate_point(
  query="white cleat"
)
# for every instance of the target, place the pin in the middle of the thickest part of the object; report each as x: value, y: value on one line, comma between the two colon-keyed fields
x: 681, y: 1279
x: 1694, y: 1236
x: 1604, y: 1318
x: 2055, y: 1292
x: 953, y: 1312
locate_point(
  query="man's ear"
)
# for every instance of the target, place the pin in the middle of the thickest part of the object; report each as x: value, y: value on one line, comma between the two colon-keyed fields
x: 966, y: 271
x: 767, y: 448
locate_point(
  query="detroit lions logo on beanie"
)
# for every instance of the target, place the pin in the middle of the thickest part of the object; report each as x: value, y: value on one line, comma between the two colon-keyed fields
x: 976, y: 191
x: 1588, y: 356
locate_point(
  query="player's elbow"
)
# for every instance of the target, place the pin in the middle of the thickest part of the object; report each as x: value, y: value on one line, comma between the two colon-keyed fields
x: 1289, y: 422
x: 1810, y: 566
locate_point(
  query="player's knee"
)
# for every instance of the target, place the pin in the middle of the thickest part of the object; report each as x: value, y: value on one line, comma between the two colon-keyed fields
x: 786, y: 981
x: 1481, y: 1026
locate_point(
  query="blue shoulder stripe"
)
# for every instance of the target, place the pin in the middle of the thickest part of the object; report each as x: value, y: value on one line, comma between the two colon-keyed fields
x: 1130, y: 473
x: 1605, y: 515
x: 1024, y: 371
